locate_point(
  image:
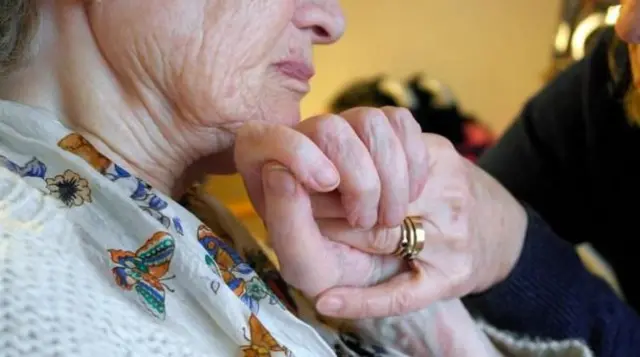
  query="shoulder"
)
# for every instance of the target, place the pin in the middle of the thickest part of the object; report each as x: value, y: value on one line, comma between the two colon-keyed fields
x: 54, y: 296
x: 25, y: 210
x: 556, y: 121
x: 573, y: 91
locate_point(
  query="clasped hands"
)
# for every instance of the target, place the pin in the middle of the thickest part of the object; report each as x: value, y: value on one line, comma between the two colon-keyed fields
x: 334, y: 190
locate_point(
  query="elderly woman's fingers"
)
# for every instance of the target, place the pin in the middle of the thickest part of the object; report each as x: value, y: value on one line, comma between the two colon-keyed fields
x: 294, y: 234
x: 359, y: 181
x: 404, y: 293
x: 387, y: 152
x: 328, y: 205
x: 293, y: 231
x: 416, y: 152
x: 259, y: 142
x: 377, y: 240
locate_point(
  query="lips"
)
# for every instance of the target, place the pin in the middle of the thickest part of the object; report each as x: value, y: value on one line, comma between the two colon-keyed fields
x: 296, y: 69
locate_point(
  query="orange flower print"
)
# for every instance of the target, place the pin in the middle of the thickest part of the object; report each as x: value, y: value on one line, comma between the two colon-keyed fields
x: 261, y: 341
x: 76, y: 144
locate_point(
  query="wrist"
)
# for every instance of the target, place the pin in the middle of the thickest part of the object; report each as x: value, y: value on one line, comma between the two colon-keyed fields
x: 501, y: 225
x: 512, y: 237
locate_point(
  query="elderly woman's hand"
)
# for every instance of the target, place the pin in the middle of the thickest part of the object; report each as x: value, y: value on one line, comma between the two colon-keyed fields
x: 374, y: 157
x: 334, y: 191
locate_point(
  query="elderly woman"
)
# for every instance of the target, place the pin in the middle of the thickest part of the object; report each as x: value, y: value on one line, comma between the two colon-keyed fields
x: 111, y: 108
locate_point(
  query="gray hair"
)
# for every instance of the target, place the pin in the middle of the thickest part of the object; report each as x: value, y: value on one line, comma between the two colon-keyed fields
x: 17, y: 26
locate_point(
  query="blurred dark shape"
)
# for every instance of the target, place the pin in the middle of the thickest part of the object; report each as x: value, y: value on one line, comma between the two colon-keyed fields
x: 581, y: 23
x: 377, y: 92
x: 431, y: 102
x: 437, y: 110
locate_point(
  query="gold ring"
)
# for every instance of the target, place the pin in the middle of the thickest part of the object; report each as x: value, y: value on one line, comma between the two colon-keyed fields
x: 412, y: 238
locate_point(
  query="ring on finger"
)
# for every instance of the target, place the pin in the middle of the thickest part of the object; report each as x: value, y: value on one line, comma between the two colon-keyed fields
x: 412, y: 238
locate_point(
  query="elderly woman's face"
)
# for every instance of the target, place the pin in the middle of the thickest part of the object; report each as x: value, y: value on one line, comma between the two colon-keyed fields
x: 217, y: 61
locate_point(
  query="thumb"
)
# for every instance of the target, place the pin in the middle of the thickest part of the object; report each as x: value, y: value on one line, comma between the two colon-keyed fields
x: 294, y: 234
x: 404, y: 293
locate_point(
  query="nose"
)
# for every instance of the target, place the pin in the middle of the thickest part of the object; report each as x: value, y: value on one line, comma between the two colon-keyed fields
x: 324, y: 19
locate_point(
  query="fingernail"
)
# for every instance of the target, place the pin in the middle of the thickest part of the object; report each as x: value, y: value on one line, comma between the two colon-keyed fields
x: 280, y: 181
x: 327, y: 178
x: 330, y: 305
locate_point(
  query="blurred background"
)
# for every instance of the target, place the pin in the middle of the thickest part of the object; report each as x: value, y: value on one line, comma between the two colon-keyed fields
x: 464, y: 68
x: 493, y: 53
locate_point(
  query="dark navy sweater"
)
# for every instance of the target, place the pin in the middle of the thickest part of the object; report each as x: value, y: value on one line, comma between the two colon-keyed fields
x: 574, y: 157
x: 551, y: 295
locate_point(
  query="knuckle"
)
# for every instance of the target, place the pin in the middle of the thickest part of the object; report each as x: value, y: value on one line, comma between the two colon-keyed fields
x: 382, y: 240
x: 366, y: 307
x: 368, y: 119
x: 320, y: 123
x: 463, y: 272
x: 369, y: 188
x: 356, y: 112
x: 374, y: 114
x: 405, y: 124
x: 401, y: 302
x: 331, y: 129
x: 401, y: 117
x: 398, y: 112
x: 329, y: 122
x: 459, y: 240
x: 439, y: 143
x: 455, y: 280
x: 373, y: 118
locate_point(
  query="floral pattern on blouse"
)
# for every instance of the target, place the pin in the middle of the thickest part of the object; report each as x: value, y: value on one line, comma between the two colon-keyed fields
x: 69, y: 188
x: 140, y: 191
x: 261, y: 343
x: 237, y: 274
x: 145, y: 270
x: 32, y: 168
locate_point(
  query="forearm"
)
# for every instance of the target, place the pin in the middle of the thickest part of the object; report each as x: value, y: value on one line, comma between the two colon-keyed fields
x: 550, y: 294
x: 444, y: 328
x: 447, y: 329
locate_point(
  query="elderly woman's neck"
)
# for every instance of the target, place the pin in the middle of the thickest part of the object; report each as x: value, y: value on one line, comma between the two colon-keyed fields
x: 128, y: 122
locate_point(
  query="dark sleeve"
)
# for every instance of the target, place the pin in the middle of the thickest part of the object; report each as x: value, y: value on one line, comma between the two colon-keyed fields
x: 540, y: 158
x: 550, y: 294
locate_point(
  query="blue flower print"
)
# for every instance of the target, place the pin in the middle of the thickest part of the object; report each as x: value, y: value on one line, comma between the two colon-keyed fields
x: 33, y: 168
x: 143, y: 194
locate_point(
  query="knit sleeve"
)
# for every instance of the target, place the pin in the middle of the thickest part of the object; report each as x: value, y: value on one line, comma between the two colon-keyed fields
x: 550, y: 294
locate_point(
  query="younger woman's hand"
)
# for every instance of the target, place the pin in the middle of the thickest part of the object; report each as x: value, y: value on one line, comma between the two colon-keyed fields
x: 474, y: 234
x: 333, y: 192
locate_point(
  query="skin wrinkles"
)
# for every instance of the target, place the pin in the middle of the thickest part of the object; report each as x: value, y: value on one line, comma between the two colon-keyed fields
x: 362, y: 191
x: 194, y: 83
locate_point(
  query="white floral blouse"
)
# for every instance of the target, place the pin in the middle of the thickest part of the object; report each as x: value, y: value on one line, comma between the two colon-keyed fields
x: 95, y: 262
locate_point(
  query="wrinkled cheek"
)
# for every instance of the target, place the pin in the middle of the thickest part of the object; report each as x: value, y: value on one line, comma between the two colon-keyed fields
x: 628, y: 24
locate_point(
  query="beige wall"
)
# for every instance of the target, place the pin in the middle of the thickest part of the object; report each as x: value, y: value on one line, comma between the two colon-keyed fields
x: 492, y: 52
